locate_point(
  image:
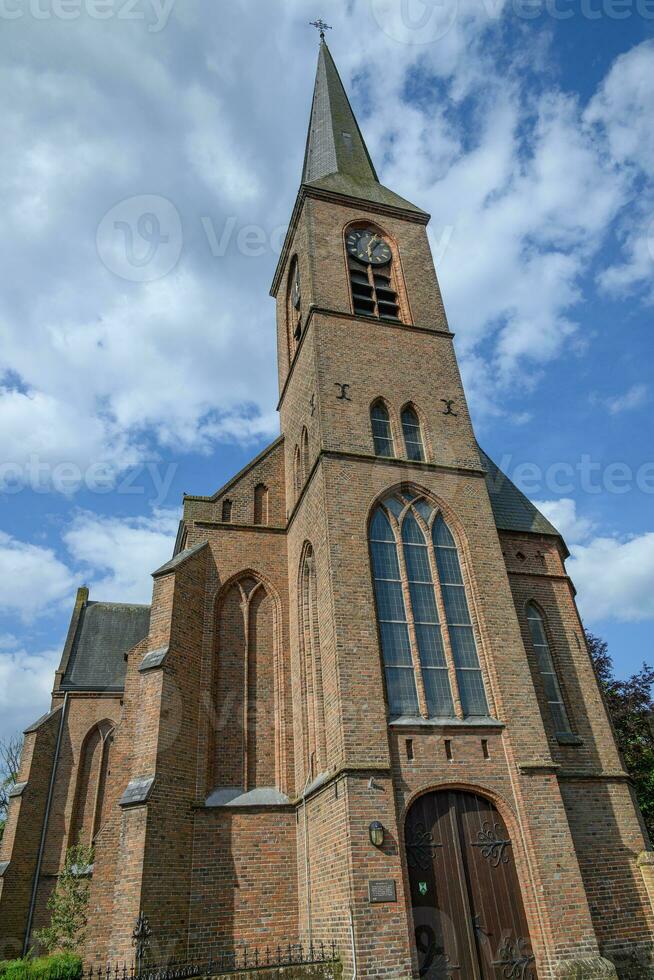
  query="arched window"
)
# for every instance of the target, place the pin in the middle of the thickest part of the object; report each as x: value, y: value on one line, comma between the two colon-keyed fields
x: 428, y: 645
x: 425, y: 617
x: 413, y: 443
x: 304, y: 442
x: 459, y: 626
x: 261, y: 504
x: 297, y: 471
x: 227, y: 511
x: 246, y: 689
x: 381, y: 430
x: 293, y: 307
x: 392, y: 616
x: 91, y: 805
x: 547, y: 669
x: 373, y: 275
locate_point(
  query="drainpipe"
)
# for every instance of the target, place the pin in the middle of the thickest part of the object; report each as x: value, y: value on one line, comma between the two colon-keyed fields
x: 354, y: 948
x: 44, y: 830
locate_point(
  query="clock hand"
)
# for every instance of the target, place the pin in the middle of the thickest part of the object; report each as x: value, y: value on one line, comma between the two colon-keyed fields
x: 373, y: 241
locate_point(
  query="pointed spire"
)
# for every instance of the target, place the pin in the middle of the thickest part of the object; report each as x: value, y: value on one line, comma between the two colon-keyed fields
x: 335, y: 143
x: 336, y: 156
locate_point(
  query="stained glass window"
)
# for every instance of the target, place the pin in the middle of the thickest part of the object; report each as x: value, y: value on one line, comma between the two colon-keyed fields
x: 391, y: 613
x: 462, y: 638
x: 398, y: 523
x: 425, y: 617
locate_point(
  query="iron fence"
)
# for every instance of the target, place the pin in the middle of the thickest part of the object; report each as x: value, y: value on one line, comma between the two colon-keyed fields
x: 243, y: 958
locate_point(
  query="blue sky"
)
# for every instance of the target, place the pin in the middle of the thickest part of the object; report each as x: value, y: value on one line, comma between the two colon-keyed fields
x: 152, y: 156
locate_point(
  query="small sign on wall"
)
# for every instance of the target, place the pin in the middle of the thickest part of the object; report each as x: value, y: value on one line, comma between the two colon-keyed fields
x: 382, y: 891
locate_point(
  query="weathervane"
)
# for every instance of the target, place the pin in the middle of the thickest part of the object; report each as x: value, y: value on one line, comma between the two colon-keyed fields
x: 321, y: 26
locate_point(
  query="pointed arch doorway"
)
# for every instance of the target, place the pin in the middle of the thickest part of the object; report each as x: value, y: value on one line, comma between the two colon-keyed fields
x: 468, y: 914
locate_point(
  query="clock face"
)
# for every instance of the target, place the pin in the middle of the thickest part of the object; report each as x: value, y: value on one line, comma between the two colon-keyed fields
x: 369, y: 247
x: 296, y: 294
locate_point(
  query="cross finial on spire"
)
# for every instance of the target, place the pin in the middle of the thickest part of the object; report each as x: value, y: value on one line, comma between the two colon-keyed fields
x: 321, y: 26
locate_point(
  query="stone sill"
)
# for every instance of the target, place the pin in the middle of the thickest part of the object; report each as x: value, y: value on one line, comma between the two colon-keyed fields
x: 231, y: 798
x: 568, y: 738
x: 454, y: 723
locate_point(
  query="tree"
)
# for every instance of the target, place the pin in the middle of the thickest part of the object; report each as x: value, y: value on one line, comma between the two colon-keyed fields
x: 10, y: 750
x: 69, y: 903
x: 631, y: 708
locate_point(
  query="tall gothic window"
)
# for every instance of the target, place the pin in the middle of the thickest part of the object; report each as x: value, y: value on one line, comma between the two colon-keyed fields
x: 393, y: 619
x: 381, y: 430
x: 427, y: 639
x: 297, y: 471
x: 247, y: 690
x: 304, y: 443
x: 227, y: 511
x: 261, y: 504
x: 547, y: 669
x: 293, y: 307
x: 415, y: 449
x: 90, y: 809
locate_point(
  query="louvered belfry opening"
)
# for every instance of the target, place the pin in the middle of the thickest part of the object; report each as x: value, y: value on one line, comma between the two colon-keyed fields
x: 372, y: 291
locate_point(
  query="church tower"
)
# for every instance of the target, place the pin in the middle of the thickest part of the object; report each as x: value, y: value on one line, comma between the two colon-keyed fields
x: 432, y: 614
x: 361, y: 707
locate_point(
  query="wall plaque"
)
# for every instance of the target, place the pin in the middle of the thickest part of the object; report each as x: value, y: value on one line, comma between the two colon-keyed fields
x: 382, y: 891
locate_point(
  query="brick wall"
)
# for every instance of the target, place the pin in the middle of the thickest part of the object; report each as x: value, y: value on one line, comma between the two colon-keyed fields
x: 244, y: 887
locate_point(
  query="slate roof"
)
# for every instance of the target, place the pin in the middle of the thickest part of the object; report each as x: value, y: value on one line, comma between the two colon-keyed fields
x: 336, y: 157
x: 105, y: 632
x: 511, y: 509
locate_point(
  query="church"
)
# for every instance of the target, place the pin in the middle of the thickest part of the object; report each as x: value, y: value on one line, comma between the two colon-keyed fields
x: 360, y: 707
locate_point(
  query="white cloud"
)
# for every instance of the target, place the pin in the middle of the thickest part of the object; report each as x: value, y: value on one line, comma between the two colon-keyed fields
x: 526, y: 224
x: 614, y: 578
x: 33, y: 579
x: 522, y: 178
x: 26, y: 681
x: 622, y: 110
x: 213, y: 150
x: 563, y: 515
x: 635, y: 397
x: 46, y: 439
x: 624, y: 107
x: 119, y: 554
x: 614, y: 575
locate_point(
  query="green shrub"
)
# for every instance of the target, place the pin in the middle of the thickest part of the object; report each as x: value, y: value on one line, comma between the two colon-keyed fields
x: 68, y: 904
x: 62, y: 966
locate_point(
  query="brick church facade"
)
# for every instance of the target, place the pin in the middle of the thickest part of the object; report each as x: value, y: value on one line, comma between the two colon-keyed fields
x: 360, y: 706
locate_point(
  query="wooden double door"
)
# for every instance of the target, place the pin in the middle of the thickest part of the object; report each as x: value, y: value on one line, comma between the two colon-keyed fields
x: 468, y: 913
